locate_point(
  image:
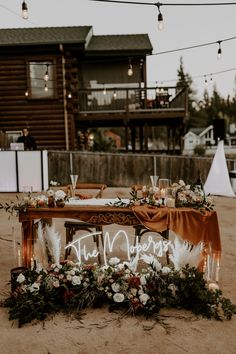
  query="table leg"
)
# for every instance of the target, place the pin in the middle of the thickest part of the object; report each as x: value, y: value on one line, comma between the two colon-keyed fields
x: 27, y: 242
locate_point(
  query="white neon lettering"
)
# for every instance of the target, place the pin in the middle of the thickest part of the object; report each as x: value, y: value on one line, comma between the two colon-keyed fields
x: 81, y: 249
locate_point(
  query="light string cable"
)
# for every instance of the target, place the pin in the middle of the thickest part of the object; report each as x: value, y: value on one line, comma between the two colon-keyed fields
x: 200, y: 76
x: 193, y: 46
x: 168, y: 4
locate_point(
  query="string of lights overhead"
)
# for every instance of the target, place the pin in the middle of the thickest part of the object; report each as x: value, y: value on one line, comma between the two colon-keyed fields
x: 158, y: 5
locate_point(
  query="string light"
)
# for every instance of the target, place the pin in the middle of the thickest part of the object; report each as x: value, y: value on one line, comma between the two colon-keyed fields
x: 160, y: 25
x: 46, y: 75
x: 130, y: 68
x: 26, y: 93
x: 24, y: 14
x: 69, y: 95
x: 219, y: 52
x: 45, y: 87
x: 114, y: 94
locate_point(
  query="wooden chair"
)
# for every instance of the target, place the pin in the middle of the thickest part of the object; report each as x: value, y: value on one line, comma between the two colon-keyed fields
x: 73, y: 225
x: 140, y: 230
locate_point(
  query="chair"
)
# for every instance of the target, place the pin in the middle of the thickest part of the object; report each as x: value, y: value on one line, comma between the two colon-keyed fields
x: 140, y: 230
x: 73, y: 225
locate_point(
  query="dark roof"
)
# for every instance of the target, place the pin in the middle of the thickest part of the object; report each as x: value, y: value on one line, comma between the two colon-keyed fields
x: 197, y: 131
x: 122, y: 42
x: 43, y: 35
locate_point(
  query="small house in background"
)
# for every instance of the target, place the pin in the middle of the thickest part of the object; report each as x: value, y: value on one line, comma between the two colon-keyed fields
x: 198, y: 136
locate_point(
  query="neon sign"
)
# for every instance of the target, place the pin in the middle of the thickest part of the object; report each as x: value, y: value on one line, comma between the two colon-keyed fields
x: 81, y: 249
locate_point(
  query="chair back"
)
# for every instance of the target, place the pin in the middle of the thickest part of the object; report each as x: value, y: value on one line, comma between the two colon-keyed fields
x: 85, y: 187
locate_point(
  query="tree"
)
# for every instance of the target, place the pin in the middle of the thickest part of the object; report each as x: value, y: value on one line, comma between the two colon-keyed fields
x: 185, y: 80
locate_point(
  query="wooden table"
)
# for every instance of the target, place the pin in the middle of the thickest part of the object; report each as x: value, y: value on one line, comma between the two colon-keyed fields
x: 105, y: 215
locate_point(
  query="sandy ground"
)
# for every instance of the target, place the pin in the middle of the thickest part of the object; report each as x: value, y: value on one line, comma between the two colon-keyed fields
x: 102, y: 332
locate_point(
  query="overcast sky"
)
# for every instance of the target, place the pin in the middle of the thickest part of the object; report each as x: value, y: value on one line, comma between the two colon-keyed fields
x: 184, y: 27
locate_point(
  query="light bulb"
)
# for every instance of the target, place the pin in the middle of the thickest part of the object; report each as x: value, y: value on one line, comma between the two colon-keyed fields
x: 46, y: 75
x: 24, y: 14
x: 130, y: 70
x: 69, y: 95
x: 114, y: 94
x: 219, y: 51
x: 160, y: 24
x: 104, y: 90
x: 45, y: 88
x: 26, y: 93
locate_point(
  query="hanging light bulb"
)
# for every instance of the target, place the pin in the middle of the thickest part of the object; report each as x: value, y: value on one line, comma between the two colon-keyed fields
x: 219, y: 52
x: 24, y: 13
x: 69, y: 95
x: 114, y: 94
x: 46, y: 75
x: 45, y: 87
x: 160, y: 24
x: 130, y: 68
x: 26, y: 93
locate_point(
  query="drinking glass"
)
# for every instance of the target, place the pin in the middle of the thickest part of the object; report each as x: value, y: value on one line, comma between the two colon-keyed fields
x: 164, y: 183
x: 154, y: 180
x: 74, y: 179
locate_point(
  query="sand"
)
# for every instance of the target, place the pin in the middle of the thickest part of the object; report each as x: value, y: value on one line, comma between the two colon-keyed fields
x: 99, y: 331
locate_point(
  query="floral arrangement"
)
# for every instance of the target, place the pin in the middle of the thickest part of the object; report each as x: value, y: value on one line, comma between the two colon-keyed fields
x: 50, y: 286
x: 191, y: 196
x: 70, y: 287
x: 51, y: 199
x: 184, y: 195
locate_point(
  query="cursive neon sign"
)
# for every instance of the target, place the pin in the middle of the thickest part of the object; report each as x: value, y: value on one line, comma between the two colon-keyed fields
x: 81, y: 249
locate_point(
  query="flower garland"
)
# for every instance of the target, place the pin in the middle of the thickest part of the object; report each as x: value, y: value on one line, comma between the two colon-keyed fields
x: 70, y: 287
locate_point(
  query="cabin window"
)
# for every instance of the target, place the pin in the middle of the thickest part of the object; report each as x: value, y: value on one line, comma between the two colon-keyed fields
x: 41, y: 79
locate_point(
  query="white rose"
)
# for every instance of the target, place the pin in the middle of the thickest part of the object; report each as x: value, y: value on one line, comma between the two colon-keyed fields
x: 143, y: 280
x: 72, y: 272
x: 115, y: 287
x: 113, y: 261
x: 213, y: 286
x: 20, y: 278
x: 118, y: 297
x: 144, y: 298
x: 69, y: 277
x: 166, y: 270
x: 76, y: 280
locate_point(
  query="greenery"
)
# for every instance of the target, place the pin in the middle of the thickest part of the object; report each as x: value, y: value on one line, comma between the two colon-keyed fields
x: 70, y: 287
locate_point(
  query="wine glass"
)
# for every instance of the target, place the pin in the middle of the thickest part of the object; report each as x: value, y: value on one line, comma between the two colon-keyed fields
x: 154, y: 180
x: 74, y: 179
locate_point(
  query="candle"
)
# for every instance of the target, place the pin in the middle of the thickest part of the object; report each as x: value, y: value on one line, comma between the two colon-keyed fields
x: 217, y: 270
x: 32, y: 263
x: 163, y: 193
x: 155, y: 165
x: 170, y: 202
x: 71, y: 164
x: 19, y: 258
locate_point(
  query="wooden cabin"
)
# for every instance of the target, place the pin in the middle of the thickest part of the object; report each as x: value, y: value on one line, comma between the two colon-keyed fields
x: 59, y: 80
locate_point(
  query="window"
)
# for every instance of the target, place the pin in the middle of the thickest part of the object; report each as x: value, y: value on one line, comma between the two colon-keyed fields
x: 38, y: 87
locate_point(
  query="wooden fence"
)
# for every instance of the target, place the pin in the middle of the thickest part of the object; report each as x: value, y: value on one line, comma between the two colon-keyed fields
x: 123, y: 170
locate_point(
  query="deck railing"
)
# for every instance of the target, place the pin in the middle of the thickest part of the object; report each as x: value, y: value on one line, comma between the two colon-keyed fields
x: 132, y: 99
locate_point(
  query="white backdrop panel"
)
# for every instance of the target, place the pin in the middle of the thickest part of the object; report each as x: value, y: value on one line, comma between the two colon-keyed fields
x: 8, y: 181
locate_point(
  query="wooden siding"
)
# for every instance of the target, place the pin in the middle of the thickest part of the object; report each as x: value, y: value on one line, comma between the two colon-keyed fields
x: 44, y: 117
